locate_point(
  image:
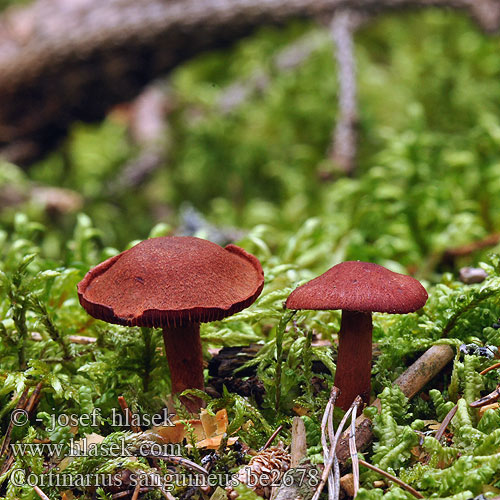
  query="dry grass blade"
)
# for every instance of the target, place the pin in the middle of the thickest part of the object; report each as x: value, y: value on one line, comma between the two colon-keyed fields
x: 446, y: 421
x: 272, y: 438
x: 333, y: 478
x: 332, y: 455
x: 392, y: 478
x: 352, y: 446
x: 492, y: 367
x: 327, y: 420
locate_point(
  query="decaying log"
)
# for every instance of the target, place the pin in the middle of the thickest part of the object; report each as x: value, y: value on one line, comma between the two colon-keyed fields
x: 411, y: 382
x: 67, y: 60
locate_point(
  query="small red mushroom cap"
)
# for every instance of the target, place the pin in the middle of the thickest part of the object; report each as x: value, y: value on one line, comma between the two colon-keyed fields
x: 171, y: 281
x: 360, y: 286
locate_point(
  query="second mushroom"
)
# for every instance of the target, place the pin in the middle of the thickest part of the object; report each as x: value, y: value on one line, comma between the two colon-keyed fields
x: 358, y: 289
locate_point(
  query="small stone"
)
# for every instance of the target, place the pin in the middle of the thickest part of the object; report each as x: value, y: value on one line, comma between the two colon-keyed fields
x: 470, y: 275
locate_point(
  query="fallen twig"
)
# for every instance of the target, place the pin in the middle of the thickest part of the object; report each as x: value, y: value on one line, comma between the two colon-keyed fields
x: 411, y: 382
x: 492, y: 367
x: 40, y: 493
x: 147, y: 119
x: 135, y: 496
x: 272, y: 438
x: 327, y: 420
x: 352, y: 448
x: 332, y: 454
x: 34, y: 399
x: 446, y: 421
x: 392, y: 478
x: 285, y: 60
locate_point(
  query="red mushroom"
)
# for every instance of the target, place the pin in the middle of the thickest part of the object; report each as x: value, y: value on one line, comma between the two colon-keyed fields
x: 358, y: 288
x: 174, y: 283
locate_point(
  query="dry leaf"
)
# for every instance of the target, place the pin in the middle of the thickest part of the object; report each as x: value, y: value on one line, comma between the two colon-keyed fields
x: 208, y: 422
x: 482, y: 410
x: 300, y: 410
x: 214, y: 442
x: 172, y: 434
x: 221, y: 421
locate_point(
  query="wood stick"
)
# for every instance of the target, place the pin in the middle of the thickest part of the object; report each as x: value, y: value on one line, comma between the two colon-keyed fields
x: 135, y: 496
x: 492, y: 367
x: 40, y: 493
x: 299, y: 442
x: 392, y: 478
x: 410, y: 382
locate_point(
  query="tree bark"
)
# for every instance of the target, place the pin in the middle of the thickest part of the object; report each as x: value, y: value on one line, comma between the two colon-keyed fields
x: 63, y: 60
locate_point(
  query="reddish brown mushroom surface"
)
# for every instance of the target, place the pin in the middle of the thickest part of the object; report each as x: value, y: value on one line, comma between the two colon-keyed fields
x: 358, y: 289
x: 174, y: 283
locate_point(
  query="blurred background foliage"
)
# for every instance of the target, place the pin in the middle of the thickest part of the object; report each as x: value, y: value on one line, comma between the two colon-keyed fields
x: 427, y: 180
x: 428, y: 175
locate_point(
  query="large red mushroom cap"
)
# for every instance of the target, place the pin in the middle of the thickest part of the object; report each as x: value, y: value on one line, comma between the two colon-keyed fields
x: 172, y: 281
x: 360, y: 286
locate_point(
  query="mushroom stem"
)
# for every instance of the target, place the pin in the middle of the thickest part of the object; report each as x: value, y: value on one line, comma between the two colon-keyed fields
x: 185, y: 360
x: 353, y: 375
